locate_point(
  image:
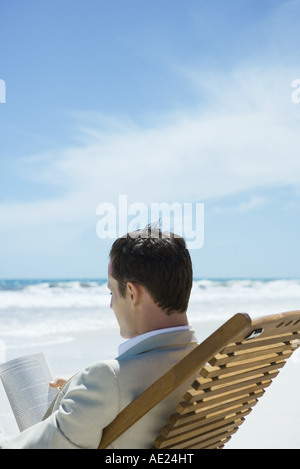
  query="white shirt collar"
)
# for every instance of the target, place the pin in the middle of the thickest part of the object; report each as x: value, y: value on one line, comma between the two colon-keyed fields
x: 139, y: 338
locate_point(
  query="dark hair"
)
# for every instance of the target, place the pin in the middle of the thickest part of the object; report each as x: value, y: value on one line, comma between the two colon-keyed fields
x: 159, y: 261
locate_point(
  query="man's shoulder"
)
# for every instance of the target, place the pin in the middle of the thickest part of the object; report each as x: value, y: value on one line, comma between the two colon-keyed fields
x: 104, y: 371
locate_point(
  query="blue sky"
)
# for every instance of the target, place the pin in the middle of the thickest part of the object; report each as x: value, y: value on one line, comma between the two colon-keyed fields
x: 164, y: 101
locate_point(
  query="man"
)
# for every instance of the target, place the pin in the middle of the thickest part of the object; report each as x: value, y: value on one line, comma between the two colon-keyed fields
x: 150, y: 279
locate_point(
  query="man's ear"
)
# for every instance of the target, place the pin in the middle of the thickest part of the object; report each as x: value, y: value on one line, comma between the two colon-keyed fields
x: 133, y: 292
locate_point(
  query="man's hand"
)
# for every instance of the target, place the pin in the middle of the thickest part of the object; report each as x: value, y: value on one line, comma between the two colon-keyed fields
x: 58, y: 383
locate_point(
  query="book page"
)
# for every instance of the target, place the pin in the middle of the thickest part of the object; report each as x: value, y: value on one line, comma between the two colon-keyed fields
x: 26, y: 382
x: 8, y: 424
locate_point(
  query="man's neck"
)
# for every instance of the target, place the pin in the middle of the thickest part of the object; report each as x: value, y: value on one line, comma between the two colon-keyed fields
x: 125, y: 346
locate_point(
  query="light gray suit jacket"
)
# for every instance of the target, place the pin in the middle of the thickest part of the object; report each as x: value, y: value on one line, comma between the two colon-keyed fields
x: 95, y: 396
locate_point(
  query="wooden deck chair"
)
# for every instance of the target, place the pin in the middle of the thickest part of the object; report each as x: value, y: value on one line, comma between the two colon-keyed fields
x: 235, y: 364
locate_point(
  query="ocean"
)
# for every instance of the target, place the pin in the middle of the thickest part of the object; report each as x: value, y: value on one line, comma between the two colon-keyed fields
x: 72, y: 318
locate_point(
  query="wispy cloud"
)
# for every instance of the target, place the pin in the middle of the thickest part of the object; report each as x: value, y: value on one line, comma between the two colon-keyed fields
x: 253, y: 202
x: 244, y: 141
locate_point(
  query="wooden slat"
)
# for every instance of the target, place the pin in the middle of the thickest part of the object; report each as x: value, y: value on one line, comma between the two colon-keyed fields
x: 219, y: 445
x: 203, y: 425
x: 227, y: 405
x: 221, y: 380
x: 260, y: 342
x: 194, y: 437
x: 216, y: 409
x: 179, y: 421
x: 174, y: 435
x: 250, y: 357
x: 213, y: 371
x: 253, y: 355
x: 212, y: 442
x: 208, y: 404
x: 193, y: 395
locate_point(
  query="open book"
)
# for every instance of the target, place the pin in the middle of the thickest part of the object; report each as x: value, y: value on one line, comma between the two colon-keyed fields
x: 25, y: 394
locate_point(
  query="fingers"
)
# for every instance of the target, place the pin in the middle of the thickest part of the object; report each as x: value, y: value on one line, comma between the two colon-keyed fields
x: 57, y: 383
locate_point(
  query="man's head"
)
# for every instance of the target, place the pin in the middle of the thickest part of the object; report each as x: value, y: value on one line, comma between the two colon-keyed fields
x: 160, y: 262
x: 150, y: 278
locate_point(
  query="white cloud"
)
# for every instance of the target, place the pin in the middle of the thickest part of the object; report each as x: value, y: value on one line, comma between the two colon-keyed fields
x: 247, y: 138
x: 254, y: 201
